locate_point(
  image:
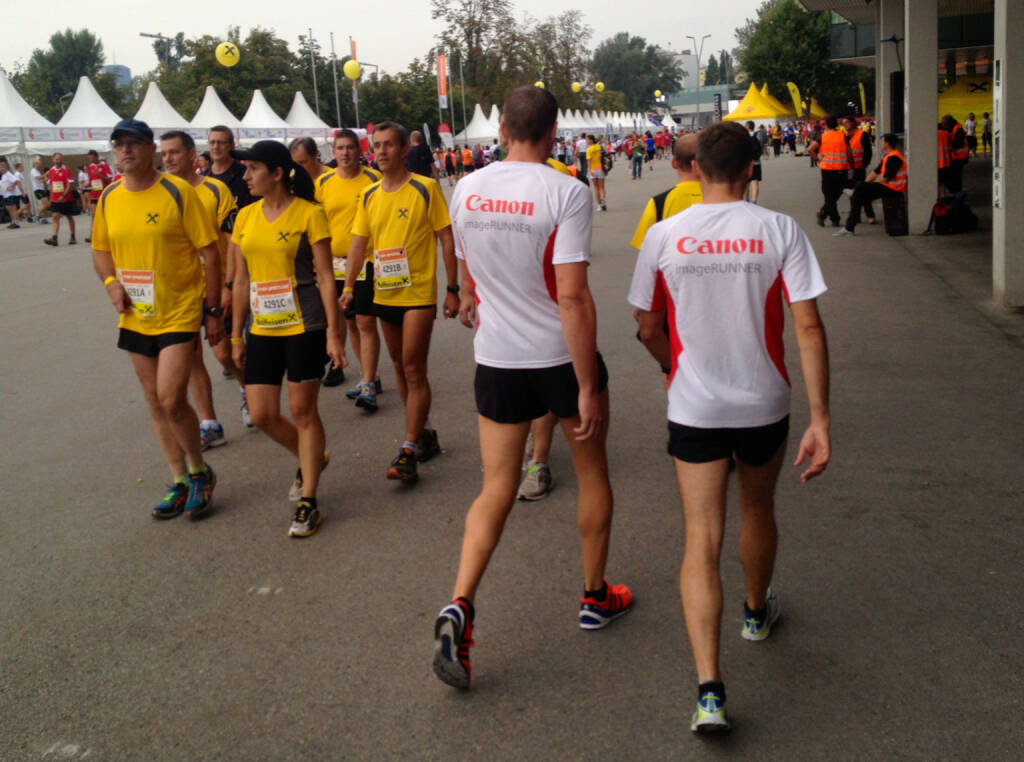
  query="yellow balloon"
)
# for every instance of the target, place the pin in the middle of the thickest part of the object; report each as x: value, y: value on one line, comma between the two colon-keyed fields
x: 576, y: 87
x: 539, y: 84
x: 657, y: 93
x: 599, y: 87
x: 352, y: 69
x: 227, y: 54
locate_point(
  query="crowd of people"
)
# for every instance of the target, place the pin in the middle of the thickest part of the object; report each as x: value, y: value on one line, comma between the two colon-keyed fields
x: 283, y: 262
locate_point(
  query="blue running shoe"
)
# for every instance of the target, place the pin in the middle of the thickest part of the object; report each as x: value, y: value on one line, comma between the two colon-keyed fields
x: 710, y: 715
x: 595, y: 614
x: 200, y: 493
x: 173, y: 503
x: 367, y: 398
x: 453, y: 637
x: 758, y: 625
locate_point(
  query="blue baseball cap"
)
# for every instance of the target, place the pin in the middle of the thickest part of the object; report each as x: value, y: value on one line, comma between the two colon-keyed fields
x: 134, y: 127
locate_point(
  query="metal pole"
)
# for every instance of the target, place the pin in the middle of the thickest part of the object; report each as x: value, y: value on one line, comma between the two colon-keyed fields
x: 462, y: 85
x: 699, y: 51
x: 312, y: 68
x: 334, y: 72
x: 355, y: 85
x: 451, y: 91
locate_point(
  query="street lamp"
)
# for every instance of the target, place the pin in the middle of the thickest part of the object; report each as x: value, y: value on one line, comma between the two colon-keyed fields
x: 60, y: 100
x: 699, y: 50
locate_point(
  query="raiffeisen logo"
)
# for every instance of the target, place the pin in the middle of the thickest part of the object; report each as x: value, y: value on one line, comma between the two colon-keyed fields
x: 477, y: 203
x: 691, y: 245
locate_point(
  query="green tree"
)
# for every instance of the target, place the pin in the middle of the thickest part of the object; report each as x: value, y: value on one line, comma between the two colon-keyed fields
x: 559, y: 55
x: 711, y: 72
x: 726, y: 75
x: 635, y: 68
x: 787, y: 43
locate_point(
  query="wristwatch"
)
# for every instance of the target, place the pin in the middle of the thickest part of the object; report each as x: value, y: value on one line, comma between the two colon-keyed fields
x: 453, y: 290
x: 215, y: 311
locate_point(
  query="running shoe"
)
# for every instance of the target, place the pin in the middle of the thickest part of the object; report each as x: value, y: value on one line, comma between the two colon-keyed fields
x: 173, y: 503
x: 367, y: 399
x: 226, y: 373
x: 88, y: 240
x: 200, y: 493
x: 211, y: 436
x: 842, y: 232
x: 820, y: 217
x: 453, y: 637
x: 334, y: 377
x: 355, y: 391
x: 537, y: 483
x: 13, y: 226
x: 595, y: 614
x: 246, y: 418
x: 305, y: 521
x: 403, y: 467
x: 378, y: 387
x: 51, y: 241
x: 710, y: 715
x: 758, y: 625
x: 72, y: 242
x: 428, y: 446
x: 295, y: 492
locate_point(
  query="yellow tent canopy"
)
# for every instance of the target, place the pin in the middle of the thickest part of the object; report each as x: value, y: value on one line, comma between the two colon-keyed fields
x: 753, y: 106
x: 776, y: 103
x: 967, y: 95
x: 817, y: 112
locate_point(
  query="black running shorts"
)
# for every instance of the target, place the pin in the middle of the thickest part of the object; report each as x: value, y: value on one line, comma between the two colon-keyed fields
x: 515, y: 395
x: 753, y: 447
x: 362, y: 295
x: 269, y: 358
x: 150, y: 346
x: 395, y: 315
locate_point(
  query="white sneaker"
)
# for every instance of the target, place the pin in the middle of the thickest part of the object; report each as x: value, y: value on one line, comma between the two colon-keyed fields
x: 211, y: 436
x: 759, y: 628
x: 842, y: 232
x: 246, y: 418
x: 537, y: 483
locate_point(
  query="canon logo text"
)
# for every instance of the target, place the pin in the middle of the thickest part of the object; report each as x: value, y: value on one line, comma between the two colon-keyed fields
x: 476, y: 203
x: 691, y: 245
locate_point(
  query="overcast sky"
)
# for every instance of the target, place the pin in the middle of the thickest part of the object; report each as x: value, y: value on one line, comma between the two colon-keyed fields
x: 390, y: 39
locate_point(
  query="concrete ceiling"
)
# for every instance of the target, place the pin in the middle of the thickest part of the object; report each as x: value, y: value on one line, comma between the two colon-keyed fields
x: 863, y: 11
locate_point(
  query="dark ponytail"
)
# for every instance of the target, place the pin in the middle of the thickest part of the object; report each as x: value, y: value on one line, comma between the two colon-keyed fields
x: 299, y: 183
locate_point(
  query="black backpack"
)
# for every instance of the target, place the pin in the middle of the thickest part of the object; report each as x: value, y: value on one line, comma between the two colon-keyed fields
x: 952, y: 215
x: 606, y: 161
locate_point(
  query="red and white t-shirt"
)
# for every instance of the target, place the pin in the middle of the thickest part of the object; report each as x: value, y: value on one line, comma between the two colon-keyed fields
x: 60, y: 179
x: 721, y: 272
x: 99, y: 178
x: 514, y: 222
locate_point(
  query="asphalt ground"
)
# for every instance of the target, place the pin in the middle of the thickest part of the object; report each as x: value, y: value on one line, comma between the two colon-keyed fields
x: 899, y: 570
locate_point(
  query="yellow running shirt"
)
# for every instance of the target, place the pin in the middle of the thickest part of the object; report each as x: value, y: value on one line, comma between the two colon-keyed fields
x: 283, y: 296
x: 218, y: 202
x: 673, y: 201
x: 340, y: 198
x: 153, y: 237
x: 594, y: 156
x: 403, y: 225
x: 556, y: 164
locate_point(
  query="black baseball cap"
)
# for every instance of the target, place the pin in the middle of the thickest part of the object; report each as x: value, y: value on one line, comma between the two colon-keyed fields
x: 133, y: 127
x: 269, y: 152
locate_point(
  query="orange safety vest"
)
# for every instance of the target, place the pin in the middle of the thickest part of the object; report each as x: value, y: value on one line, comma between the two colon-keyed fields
x: 832, y: 153
x: 467, y: 157
x: 898, y: 183
x: 945, y: 152
x: 857, y: 148
x: 961, y: 153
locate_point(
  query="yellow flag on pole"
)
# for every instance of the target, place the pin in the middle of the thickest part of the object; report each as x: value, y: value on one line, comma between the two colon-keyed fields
x: 863, y: 100
x: 794, y: 93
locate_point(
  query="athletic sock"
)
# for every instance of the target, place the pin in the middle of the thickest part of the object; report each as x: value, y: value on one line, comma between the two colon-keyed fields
x: 711, y: 686
x: 427, y: 426
x: 310, y: 501
x: 407, y: 445
x: 208, y: 423
x: 469, y: 607
x: 193, y: 470
x: 759, y: 614
x: 597, y: 595
x: 183, y: 479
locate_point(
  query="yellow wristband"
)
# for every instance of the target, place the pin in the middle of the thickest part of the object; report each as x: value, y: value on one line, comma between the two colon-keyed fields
x: 347, y: 289
x: 108, y: 280
x: 237, y: 340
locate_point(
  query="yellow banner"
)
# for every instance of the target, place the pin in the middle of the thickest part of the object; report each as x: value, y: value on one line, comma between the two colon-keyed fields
x: 794, y: 93
x: 863, y: 100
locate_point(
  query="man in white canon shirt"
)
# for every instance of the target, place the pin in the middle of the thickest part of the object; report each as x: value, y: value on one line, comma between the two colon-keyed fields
x: 523, y: 233
x: 719, y: 272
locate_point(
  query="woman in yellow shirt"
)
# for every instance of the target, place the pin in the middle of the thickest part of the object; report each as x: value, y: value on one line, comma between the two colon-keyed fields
x: 282, y: 251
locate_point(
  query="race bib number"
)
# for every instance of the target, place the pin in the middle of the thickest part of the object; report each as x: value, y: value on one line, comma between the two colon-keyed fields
x: 139, y: 284
x: 339, y: 267
x: 391, y: 268
x: 58, y: 186
x: 97, y: 184
x: 273, y: 304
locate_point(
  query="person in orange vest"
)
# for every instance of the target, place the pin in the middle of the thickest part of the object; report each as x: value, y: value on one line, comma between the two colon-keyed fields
x: 944, y: 159
x: 888, y: 178
x: 833, y: 157
x: 859, y: 143
x: 958, y: 153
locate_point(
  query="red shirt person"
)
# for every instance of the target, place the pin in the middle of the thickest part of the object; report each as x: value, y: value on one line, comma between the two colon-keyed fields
x: 61, y: 181
x: 100, y: 175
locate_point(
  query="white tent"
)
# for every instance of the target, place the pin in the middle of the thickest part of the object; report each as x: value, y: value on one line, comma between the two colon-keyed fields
x: 15, y: 115
x: 301, y: 116
x: 479, y: 129
x: 88, y: 109
x: 212, y: 112
x: 261, y: 122
x: 158, y: 113
x: 85, y: 126
x: 495, y: 118
x: 668, y: 121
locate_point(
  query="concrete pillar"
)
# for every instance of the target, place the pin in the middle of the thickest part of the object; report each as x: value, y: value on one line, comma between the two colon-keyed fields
x: 922, y: 106
x: 1008, y: 163
x: 888, y: 22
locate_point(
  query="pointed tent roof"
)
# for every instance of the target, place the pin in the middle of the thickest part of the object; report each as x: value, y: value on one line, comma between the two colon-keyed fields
x: 88, y: 109
x: 753, y: 106
x: 14, y: 111
x: 302, y: 116
x: 668, y: 121
x: 478, y: 129
x: 494, y: 117
x: 157, y: 112
x: 817, y: 112
x: 212, y: 112
x: 781, y: 107
x: 260, y: 115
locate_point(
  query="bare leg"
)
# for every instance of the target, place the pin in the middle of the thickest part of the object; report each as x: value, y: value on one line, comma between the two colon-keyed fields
x: 265, y: 410
x: 200, y: 386
x: 393, y: 338
x: 409, y: 345
x: 302, y: 399
x: 369, y: 346
x: 146, y: 370
x: 543, y: 430
x: 758, y: 533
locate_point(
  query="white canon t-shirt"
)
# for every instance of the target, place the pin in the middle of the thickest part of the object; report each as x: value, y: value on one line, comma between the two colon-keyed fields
x: 721, y: 272
x: 513, y: 222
